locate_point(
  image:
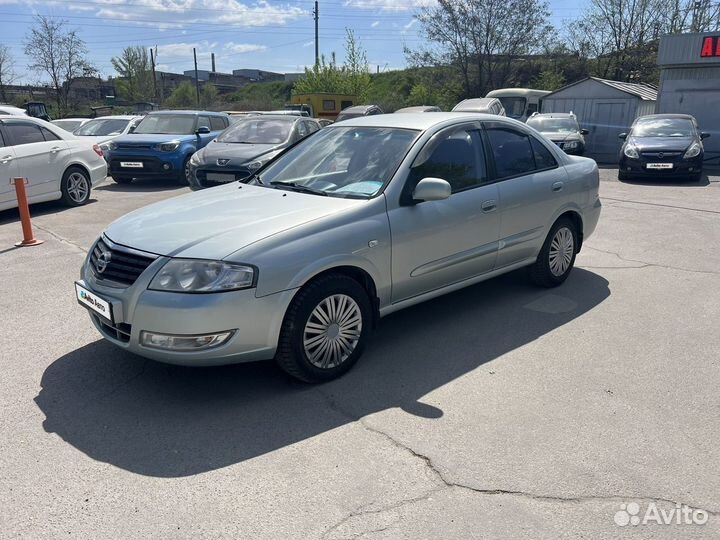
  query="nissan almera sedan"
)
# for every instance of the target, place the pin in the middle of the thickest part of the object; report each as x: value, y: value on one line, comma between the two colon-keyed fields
x: 300, y: 261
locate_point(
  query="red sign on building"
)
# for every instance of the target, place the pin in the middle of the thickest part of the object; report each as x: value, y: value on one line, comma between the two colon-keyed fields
x: 710, y: 47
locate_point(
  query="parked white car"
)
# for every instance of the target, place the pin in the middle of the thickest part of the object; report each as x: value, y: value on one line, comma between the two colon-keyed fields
x: 104, y: 129
x: 57, y: 164
x: 70, y: 124
x: 14, y: 111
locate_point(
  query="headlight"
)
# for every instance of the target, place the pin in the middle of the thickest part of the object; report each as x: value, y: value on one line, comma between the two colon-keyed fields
x: 198, y: 276
x: 169, y: 146
x: 195, y: 158
x: 255, y: 165
x: 631, y: 152
x: 105, y: 147
x: 693, y: 151
x: 112, y: 145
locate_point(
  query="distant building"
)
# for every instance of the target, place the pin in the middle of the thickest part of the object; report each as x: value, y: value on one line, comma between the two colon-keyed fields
x: 258, y: 75
x: 292, y: 77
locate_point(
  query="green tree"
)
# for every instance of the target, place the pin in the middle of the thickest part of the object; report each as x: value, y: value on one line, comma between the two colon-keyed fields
x: 549, y: 79
x: 208, y: 96
x: 183, y: 96
x: 135, y: 74
x: 421, y: 95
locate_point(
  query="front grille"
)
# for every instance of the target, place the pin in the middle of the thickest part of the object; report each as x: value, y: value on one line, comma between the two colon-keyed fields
x: 662, y: 155
x: 116, y: 264
x: 128, y: 146
x: 119, y: 331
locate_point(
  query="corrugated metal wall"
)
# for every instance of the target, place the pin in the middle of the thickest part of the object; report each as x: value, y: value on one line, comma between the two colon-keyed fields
x: 604, y: 111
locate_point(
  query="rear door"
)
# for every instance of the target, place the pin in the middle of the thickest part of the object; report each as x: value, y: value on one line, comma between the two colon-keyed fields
x: 531, y: 187
x: 40, y: 156
x: 8, y: 171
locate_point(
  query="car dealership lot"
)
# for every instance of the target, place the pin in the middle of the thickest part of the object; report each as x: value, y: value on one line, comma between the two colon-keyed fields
x: 500, y: 411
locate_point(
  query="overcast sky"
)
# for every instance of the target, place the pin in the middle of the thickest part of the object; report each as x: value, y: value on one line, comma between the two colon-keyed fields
x: 271, y: 35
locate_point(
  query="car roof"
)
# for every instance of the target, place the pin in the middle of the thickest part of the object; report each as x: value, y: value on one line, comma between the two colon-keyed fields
x: 6, y: 107
x: 189, y: 113
x: 286, y: 117
x: 358, y: 108
x: 71, y: 119
x: 421, y: 121
x: 118, y: 117
x: 668, y: 115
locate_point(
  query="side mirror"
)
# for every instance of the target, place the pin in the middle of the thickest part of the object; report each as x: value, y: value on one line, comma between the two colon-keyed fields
x: 132, y: 129
x: 431, y: 189
x: 704, y: 135
x: 584, y: 132
x: 203, y: 130
x: 622, y: 136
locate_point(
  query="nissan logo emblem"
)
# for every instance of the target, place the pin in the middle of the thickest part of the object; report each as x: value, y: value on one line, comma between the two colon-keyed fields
x: 102, y: 261
x: 222, y: 162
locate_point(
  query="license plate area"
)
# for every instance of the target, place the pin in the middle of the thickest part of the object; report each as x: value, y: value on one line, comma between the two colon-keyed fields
x: 659, y: 166
x: 220, y: 177
x: 132, y: 164
x: 94, y: 303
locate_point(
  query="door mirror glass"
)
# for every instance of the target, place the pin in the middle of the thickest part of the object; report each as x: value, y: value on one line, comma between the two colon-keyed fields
x: 584, y: 132
x: 431, y: 189
x: 203, y: 130
x: 704, y: 135
x: 622, y: 136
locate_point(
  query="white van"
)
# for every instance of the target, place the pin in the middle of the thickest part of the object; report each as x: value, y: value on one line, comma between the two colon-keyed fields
x: 480, y: 105
x: 519, y: 103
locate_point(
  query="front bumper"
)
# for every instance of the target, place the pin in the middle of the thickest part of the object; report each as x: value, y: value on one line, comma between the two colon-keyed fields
x: 680, y: 168
x: 256, y: 321
x: 154, y: 166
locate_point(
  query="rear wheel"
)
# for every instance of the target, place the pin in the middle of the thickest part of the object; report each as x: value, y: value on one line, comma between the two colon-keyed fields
x: 75, y: 187
x: 325, y: 329
x: 557, y: 256
x: 122, y: 179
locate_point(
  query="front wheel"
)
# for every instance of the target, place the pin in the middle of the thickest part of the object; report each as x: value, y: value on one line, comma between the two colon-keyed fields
x: 325, y: 329
x: 557, y: 256
x: 184, y: 176
x: 75, y: 187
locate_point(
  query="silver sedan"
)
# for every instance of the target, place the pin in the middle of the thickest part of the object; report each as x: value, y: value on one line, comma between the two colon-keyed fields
x: 363, y: 218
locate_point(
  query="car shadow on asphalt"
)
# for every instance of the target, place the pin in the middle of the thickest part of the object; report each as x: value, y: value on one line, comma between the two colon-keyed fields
x: 703, y: 182
x: 141, y: 186
x: 41, y: 209
x: 168, y: 421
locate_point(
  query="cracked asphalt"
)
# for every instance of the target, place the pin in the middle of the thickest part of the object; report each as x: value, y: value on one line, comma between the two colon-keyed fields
x: 500, y: 411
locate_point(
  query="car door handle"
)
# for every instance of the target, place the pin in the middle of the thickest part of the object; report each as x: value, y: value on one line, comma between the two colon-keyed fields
x: 557, y: 186
x: 488, y: 206
x: 5, y: 159
x: 55, y: 149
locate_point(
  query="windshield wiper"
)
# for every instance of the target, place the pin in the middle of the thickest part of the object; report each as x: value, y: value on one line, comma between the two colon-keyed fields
x: 299, y: 187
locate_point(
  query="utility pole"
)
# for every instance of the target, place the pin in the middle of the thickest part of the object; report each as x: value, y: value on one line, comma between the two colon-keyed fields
x: 152, y: 64
x: 316, y: 16
x: 197, y: 82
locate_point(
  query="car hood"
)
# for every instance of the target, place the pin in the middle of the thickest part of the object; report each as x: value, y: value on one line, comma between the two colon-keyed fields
x: 672, y: 144
x: 214, y: 223
x: 561, y: 137
x: 236, y: 153
x: 152, y: 138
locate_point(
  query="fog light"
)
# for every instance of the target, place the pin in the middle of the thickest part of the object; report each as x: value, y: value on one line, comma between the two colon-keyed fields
x: 197, y: 342
x: 166, y: 166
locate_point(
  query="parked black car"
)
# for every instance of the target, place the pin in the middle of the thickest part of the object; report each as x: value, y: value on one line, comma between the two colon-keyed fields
x: 662, y: 146
x: 562, y: 129
x: 245, y: 146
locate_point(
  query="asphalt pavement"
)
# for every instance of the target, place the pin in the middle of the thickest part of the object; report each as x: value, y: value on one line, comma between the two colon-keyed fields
x: 500, y: 411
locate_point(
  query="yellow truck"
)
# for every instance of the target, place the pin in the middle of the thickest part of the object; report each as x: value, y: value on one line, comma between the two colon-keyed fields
x: 321, y: 105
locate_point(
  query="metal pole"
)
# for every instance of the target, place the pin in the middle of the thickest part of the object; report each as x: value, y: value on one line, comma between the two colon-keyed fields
x: 152, y: 63
x: 24, y: 209
x: 316, y: 15
x: 197, y: 82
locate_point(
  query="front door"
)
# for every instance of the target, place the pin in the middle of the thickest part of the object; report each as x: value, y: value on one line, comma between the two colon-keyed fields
x: 437, y: 243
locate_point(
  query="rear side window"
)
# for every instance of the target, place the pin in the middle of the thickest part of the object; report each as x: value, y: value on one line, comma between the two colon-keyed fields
x: 312, y: 127
x: 456, y: 157
x: 216, y: 123
x: 512, y: 151
x: 24, y: 134
x: 302, y: 130
x: 49, y: 135
x: 543, y: 157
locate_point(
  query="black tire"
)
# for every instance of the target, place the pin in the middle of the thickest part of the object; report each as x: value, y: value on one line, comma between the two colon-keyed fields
x: 696, y: 177
x: 541, y: 271
x: 122, y: 179
x: 182, y: 177
x: 291, y: 355
x: 75, y: 186
x: 623, y: 176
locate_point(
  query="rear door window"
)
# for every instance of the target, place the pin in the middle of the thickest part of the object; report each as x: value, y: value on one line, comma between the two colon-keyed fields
x: 512, y: 151
x: 21, y: 133
x: 543, y: 157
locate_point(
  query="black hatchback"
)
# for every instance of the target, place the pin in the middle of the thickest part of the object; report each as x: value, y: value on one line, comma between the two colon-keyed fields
x: 662, y: 146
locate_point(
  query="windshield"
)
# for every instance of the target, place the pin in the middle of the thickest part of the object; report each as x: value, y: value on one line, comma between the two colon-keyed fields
x: 104, y: 126
x: 343, y: 161
x: 167, y: 124
x: 514, y: 106
x: 663, y: 127
x: 553, y: 125
x: 68, y: 125
x: 258, y: 131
